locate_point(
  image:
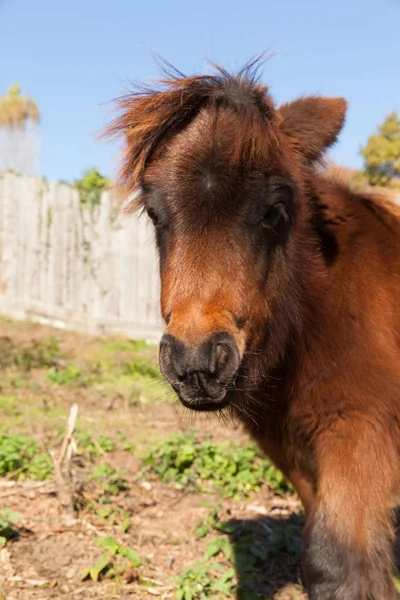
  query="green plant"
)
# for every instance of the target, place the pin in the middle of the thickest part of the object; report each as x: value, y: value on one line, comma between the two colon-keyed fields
x: 70, y: 375
x: 115, y: 516
x: 10, y: 406
x: 126, y: 444
x: 201, y: 581
x: 125, y: 345
x: 141, y: 368
x: 39, y: 354
x: 250, y: 546
x: 7, y: 528
x: 36, y: 355
x: 92, y: 445
x: 90, y: 187
x: 213, y: 521
x: 234, y: 471
x: 109, y: 480
x: 115, y: 561
x: 22, y: 456
x: 382, y: 154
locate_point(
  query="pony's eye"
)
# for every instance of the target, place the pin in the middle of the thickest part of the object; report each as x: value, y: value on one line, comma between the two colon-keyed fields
x: 152, y: 215
x: 273, y: 215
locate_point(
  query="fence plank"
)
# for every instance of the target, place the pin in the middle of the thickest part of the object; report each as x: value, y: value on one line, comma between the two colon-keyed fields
x: 74, y: 266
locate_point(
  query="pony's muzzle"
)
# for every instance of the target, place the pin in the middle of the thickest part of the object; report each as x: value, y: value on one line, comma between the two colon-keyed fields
x: 201, y: 375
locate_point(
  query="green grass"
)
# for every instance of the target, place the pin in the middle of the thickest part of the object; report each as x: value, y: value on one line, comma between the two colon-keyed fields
x: 232, y: 470
x: 125, y: 345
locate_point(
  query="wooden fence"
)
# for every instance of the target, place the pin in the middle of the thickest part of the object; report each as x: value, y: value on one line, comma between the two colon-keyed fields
x: 74, y: 266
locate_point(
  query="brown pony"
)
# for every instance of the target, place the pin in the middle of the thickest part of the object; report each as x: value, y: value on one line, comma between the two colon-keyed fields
x: 280, y: 293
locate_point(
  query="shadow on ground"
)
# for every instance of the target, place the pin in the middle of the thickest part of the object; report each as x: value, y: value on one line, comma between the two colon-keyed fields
x: 266, y: 555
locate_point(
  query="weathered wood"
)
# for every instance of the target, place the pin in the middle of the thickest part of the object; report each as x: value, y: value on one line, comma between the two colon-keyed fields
x: 74, y: 266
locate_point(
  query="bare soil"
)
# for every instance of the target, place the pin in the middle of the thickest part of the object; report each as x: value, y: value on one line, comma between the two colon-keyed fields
x: 47, y: 558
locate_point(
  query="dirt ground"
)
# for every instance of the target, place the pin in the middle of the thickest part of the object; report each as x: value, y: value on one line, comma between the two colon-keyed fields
x: 122, y: 410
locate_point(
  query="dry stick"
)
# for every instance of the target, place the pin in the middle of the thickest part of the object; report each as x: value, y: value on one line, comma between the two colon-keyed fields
x: 62, y: 469
x: 68, y: 443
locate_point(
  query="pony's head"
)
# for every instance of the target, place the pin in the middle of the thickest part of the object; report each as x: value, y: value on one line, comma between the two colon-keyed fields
x: 225, y: 177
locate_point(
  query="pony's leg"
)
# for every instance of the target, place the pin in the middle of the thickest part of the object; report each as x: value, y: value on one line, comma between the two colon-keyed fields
x: 347, y: 552
x: 304, y: 489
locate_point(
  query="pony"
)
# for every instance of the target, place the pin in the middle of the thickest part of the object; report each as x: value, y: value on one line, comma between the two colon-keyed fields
x: 280, y: 296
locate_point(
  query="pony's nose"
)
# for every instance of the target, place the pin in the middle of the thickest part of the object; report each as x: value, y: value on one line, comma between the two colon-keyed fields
x: 201, y: 373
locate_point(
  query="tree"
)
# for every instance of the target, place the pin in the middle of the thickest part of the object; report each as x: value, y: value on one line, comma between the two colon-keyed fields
x: 19, y: 140
x: 91, y: 186
x: 382, y: 154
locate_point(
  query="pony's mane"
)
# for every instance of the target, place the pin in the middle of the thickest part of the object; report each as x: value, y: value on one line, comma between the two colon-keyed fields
x: 148, y: 114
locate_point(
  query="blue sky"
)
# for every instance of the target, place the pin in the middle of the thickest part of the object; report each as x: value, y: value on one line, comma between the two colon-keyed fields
x: 73, y: 57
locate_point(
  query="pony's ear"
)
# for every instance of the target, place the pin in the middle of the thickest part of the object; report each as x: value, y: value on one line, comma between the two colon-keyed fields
x: 313, y: 123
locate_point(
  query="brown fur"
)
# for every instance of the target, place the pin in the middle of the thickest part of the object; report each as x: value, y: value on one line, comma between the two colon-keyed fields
x: 316, y: 315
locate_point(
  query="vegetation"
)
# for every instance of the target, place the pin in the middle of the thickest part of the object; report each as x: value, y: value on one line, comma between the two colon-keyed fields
x: 36, y: 354
x: 240, y: 550
x: 8, y: 531
x: 90, y: 187
x: 21, y: 457
x: 70, y: 375
x: 19, y: 116
x: 202, y: 580
x: 134, y: 483
x: 116, y: 561
x: 234, y: 471
x: 382, y: 154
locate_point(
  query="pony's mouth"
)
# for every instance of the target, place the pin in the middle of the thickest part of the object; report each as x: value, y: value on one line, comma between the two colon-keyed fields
x: 206, y: 404
x: 203, y: 403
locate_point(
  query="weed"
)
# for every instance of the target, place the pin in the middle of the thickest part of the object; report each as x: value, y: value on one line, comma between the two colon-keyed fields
x: 92, y: 445
x: 38, y: 354
x: 213, y: 521
x: 71, y: 375
x: 115, y: 515
x: 141, y: 369
x: 109, y: 480
x: 117, y: 560
x: 10, y: 406
x: 22, y: 456
x: 251, y: 547
x: 126, y: 444
x: 125, y: 345
x: 201, y: 581
x: 7, y: 528
x: 234, y: 471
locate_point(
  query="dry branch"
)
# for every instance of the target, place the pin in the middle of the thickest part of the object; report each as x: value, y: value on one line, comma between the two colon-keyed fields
x: 62, y: 469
